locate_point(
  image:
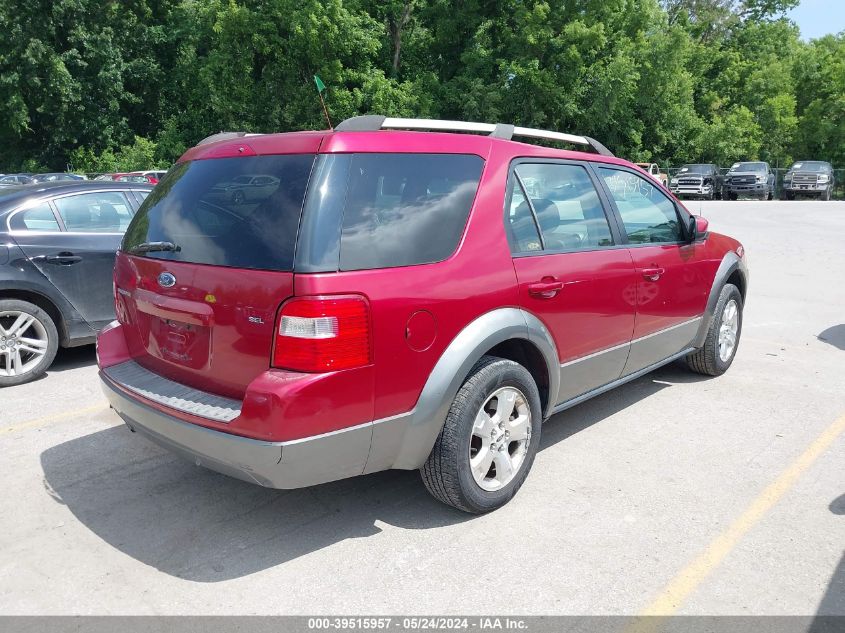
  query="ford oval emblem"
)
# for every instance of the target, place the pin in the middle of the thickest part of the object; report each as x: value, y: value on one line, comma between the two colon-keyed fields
x: 166, y: 280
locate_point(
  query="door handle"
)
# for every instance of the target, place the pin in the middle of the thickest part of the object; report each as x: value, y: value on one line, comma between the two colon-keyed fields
x: 545, y: 289
x: 63, y: 259
x: 653, y: 274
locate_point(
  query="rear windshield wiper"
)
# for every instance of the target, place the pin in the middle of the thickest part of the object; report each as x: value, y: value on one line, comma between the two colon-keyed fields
x: 149, y: 247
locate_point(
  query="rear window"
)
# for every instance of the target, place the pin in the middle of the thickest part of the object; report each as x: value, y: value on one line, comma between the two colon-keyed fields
x: 406, y: 209
x: 238, y: 212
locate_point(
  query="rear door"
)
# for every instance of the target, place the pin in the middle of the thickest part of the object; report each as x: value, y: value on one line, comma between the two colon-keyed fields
x: 672, y: 284
x: 72, y: 240
x: 572, y: 273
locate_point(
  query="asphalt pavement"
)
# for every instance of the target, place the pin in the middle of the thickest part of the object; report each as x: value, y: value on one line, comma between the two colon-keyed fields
x: 674, y: 493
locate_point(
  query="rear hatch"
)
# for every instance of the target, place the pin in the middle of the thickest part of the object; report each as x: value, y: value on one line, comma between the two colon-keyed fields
x: 205, y: 265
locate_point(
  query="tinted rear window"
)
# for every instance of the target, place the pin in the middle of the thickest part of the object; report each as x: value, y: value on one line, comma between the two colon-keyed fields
x: 238, y: 212
x: 406, y: 209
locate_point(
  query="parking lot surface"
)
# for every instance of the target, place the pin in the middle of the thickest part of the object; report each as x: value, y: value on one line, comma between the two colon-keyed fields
x: 674, y: 493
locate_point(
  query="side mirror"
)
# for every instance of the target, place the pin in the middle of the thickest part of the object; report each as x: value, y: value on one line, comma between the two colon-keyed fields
x: 697, y: 227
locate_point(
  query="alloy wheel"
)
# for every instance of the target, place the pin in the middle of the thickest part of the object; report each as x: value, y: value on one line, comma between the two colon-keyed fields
x: 500, y: 438
x: 728, y: 330
x: 23, y: 342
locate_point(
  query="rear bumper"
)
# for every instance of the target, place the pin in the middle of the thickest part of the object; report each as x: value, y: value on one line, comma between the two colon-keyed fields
x: 293, y: 464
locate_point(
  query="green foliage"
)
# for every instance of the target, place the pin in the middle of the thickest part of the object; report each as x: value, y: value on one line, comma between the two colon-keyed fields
x: 109, y: 85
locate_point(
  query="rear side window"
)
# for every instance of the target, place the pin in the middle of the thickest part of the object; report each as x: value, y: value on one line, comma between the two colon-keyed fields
x: 406, y: 209
x: 102, y: 212
x: 38, y: 218
x: 567, y: 207
x: 238, y: 212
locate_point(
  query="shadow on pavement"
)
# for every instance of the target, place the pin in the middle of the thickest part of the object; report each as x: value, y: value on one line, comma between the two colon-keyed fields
x: 73, y: 358
x: 198, y: 525
x: 834, y: 336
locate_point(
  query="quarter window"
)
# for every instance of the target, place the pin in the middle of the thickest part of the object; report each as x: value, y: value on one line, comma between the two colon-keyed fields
x: 104, y: 212
x: 567, y: 207
x: 647, y: 214
x: 38, y: 218
x: 406, y: 209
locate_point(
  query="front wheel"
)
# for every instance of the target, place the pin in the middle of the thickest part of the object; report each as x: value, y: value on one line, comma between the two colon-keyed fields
x: 826, y: 195
x: 487, y: 445
x: 28, y: 342
x: 732, y: 196
x: 720, y: 345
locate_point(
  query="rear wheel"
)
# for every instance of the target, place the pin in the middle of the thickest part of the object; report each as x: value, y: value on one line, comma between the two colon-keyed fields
x: 28, y: 342
x: 488, y: 442
x: 720, y: 345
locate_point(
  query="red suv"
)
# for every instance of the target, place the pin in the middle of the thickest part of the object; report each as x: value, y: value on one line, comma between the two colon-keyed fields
x: 390, y: 298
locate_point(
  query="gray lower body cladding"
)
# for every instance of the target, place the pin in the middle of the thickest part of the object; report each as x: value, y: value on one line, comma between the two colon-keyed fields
x: 293, y: 464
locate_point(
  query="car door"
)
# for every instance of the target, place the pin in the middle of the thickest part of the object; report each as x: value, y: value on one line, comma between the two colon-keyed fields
x: 672, y: 285
x: 72, y: 239
x: 571, y: 271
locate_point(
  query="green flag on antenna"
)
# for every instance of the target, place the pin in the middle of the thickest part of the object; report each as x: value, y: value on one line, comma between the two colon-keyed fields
x: 320, y: 85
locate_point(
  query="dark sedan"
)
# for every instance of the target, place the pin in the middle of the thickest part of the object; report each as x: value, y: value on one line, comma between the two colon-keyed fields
x: 57, y: 247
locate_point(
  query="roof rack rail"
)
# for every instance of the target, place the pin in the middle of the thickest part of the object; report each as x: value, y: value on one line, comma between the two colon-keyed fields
x: 374, y: 122
x: 224, y: 136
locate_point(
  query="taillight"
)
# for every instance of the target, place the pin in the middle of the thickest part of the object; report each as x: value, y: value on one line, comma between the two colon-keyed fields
x: 323, y: 334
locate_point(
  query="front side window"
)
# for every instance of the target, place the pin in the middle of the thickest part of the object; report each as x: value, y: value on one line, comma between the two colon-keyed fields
x: 101, y: 212
x: 39, y: 218
x: 406, y: 209
x: 566, y: 205
x: 647, y: 214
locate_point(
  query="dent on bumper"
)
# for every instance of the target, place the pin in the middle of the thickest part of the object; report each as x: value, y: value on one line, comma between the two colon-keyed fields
x: 294, y: 464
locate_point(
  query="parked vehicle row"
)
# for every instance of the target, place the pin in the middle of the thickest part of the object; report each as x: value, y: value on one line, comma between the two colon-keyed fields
x: 755, y: 179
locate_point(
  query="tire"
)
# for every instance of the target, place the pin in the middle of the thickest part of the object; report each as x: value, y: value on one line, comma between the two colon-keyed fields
x: 789, y: 196
x: 732, y: 196
x: 708, y: 359
x: 40, y: 336
x: 826, y: 195
x: 238, y: 197
x: 448, y: 474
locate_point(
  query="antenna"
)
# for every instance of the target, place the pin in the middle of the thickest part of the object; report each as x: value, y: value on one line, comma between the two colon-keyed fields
x: 321, y: 88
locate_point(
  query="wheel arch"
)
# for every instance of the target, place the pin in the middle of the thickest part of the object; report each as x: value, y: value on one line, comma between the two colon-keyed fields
x: 45, y: 303
x: 405, y: 441
x: 732, y: 270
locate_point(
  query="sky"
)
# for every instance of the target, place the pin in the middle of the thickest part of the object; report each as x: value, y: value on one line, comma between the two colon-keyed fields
x: 816, y: 18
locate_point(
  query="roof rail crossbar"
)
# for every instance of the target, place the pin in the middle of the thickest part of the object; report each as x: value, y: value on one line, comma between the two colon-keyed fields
x: 372, y: 123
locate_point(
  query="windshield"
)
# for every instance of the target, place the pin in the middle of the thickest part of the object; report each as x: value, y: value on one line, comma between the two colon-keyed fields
x: 240, y: 212
x: 749, y: 167
x: 810, y: 166
x: 694, y: 169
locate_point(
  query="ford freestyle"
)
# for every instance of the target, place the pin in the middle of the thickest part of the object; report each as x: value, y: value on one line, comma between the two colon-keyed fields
x: 399, y: 295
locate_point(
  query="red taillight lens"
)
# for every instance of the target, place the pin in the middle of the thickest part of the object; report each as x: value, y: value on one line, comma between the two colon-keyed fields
x: 323, y: 334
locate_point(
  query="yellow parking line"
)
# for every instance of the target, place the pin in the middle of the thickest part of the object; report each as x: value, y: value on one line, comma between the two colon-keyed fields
x: 693, y: 574
x: 53, y: 418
